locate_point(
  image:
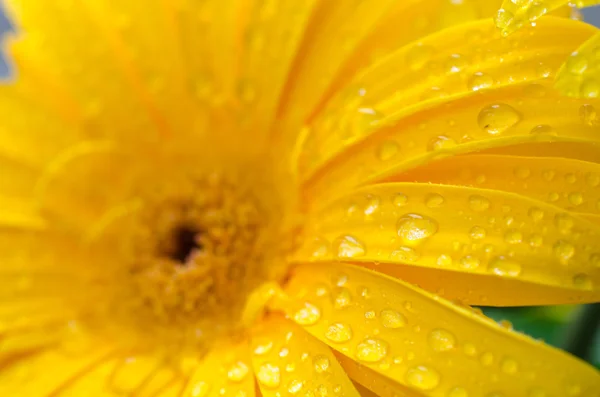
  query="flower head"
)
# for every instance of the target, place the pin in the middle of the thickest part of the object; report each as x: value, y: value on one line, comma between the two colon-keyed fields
x: 239, y: 198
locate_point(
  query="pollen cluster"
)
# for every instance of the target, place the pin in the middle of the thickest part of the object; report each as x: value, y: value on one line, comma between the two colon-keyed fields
x: 191, y: 257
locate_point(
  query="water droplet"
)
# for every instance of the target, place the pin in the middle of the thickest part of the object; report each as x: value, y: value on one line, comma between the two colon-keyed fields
x: 434, y: 200
x: 200, y: 389
x: 509, y: 366
x: 342, y: 299
x: 372, y: 205
x: 589, y: 115
x: 582, y: 281
x: 422, y: 377
x: 414, y: 228
x: 577, y: 63
x: 590, y: 88
x: 237, y: 372
x: 564, y: 222
x: 294, y: 386
x: 487, y: 359
x: 349, y: 247
x: 497, y: 118
x: 284, y: 352
x: 392, y: 319
x: 441, y: 142
x: 441, y: 340
x: 535, y: 240
x: 319, y: 248
x: 513, y: 236
x: 575, y: 198
x: 405, y: 254
x: 339, y: 332
x: 370, y: 314
x: 307, y: 315
x: 480, y: 81
x: 387, y: 150
x: 418, y: 56
x: 543, y: 129
x: 371, y: 350
x: 504, y: 266
x: 479, y: 203
x: 263, y: 347
x: 477, y: 233
x: 564, y: 250
x: 400, y: 200
x: 469, y: 349
x: 269, y: 375
x: 536, y: 214
x: 469, y: 262
x: 522, y: 172
x: 444, y: 260
x: 321, y: 391
x: 592, y: 179
x: 455, y: 63
x: 321, y: 364
x: 457, y: 392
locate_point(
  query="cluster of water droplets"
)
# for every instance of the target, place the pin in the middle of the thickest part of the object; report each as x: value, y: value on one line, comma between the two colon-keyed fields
x: 499, y: 242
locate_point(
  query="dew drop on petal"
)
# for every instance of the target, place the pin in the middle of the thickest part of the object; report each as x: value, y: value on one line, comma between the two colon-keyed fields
x: 269, y: 375
x: 444, y: 260
x: 237, y: 372
x: 263, y: 347
x: 575, y: 198
x: 422, y: 377
x: 441, y: 142
x: 400, y: 200
x: 480, y: 81
x: 564, y: 222
x: 497, y: 118
x: 405, y: 254
x: 479, y: 203
x: 582, y: 281
x: 536, y: 214
x: 487, y: 359
x: 509, y: 366
x: 469, y: 262
x: 564, y: 250
x: 414, y: 228
x: 457, y: 392
x: 339, y: 332
x: 342, y: 299
x: 294, y: 386
x: 200, y: 389
x: 441, y: 340
x: 371, y: 350
x: 387, y: 150
x: 504, y: 266
x: 589, y: 115
x: 307, y: 315
x: 392, y: 319
x: 321, y: 364
x: 477, y: 233
x: 349, y: 247
x: 513, y: 236
x: 434, y: 200
x: 543, y: 129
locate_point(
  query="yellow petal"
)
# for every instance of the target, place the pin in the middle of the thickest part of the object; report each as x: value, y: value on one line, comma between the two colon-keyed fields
x: 94, y: 382
x: 287, y: 360
x: 515, y: 14
x: 445, y: 96
x: 49, y: 372
x: 427, y: 343
x: 225, y: 371
x: 580, y: 75
x: 565, y: 183
x: 19, y: 213
x: 494, y: 236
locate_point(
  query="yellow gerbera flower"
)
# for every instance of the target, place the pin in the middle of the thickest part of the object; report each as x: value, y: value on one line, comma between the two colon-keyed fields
x: 269, y: 197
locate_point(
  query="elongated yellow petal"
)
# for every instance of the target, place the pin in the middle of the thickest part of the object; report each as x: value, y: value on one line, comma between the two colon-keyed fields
x: 515, y: 14
x: 17, y: 212
x: 425, y: 342
x: 424, y: 108
x: 492, y: 234
x: 226, y: 371
x: 580, y: 75
x: 287, y: 359
x: 565, y: 183
x: 53, y: 371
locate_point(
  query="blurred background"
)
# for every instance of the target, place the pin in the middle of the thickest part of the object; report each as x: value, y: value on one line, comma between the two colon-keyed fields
x: 572, y: 328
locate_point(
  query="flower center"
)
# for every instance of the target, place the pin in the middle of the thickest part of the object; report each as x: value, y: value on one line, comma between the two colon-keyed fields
x: 190, y: 257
